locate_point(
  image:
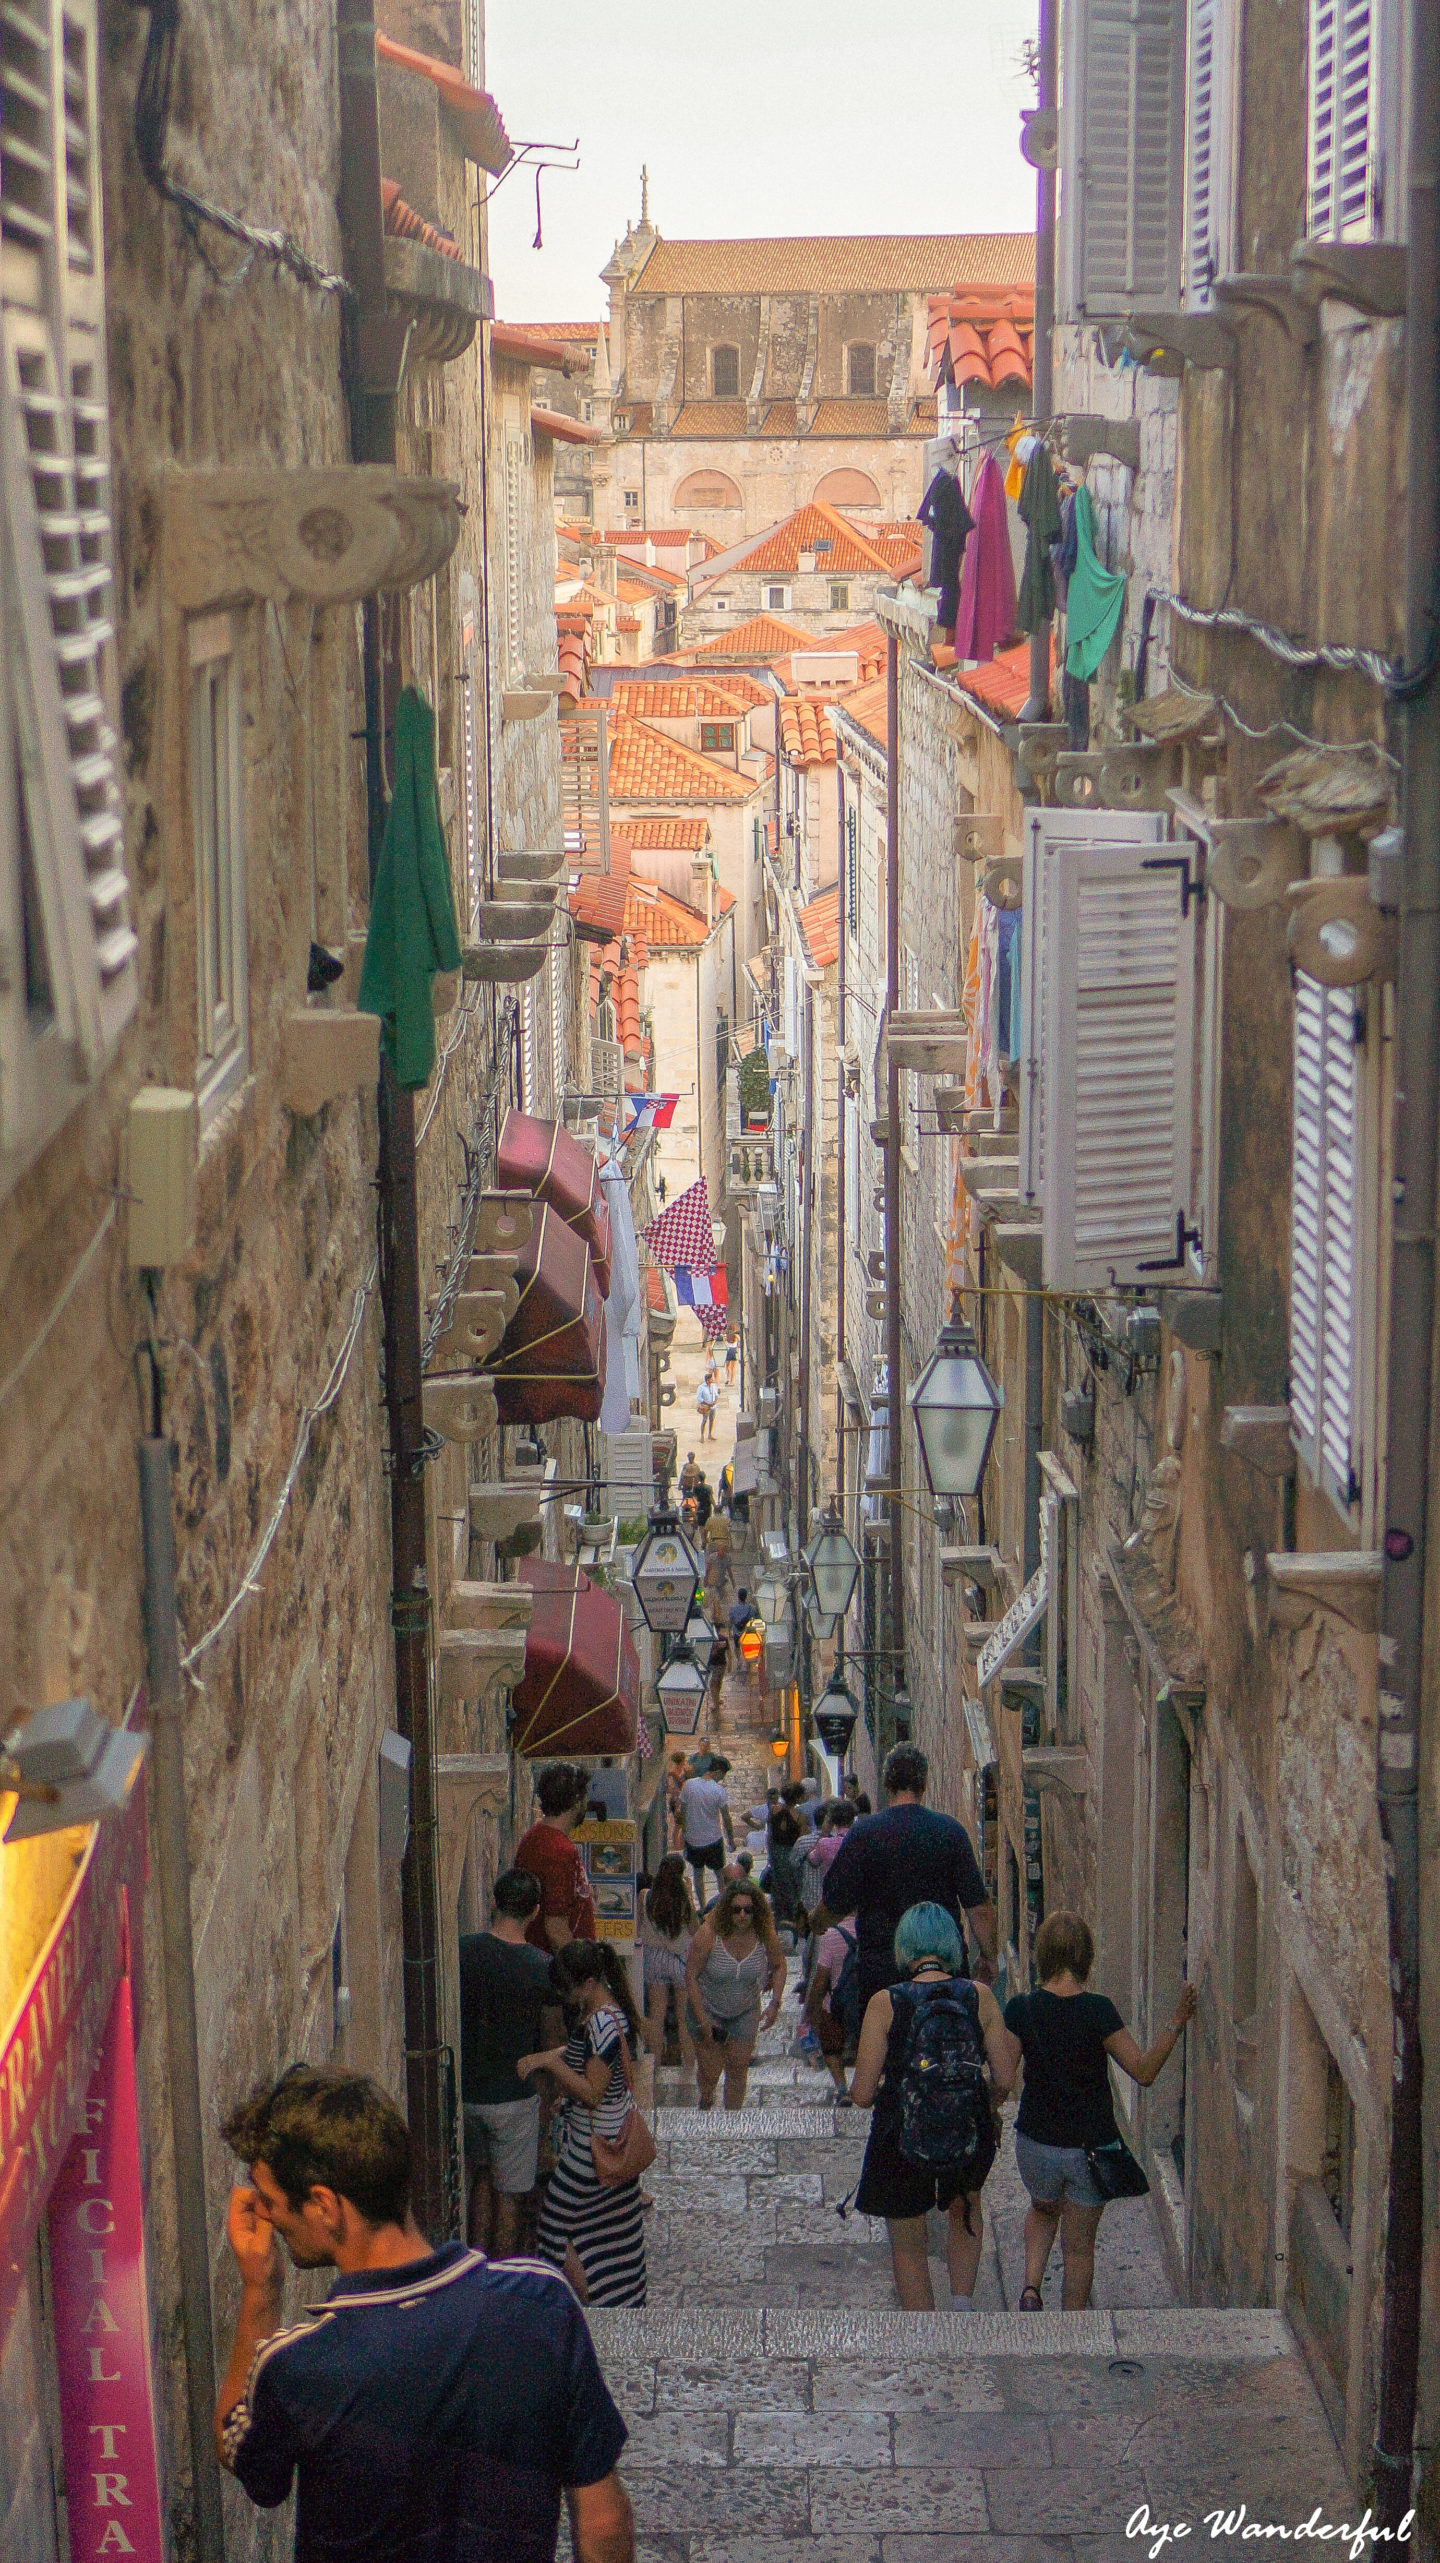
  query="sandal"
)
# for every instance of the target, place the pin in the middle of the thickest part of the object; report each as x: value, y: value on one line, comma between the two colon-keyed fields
x: 1031, y: 2301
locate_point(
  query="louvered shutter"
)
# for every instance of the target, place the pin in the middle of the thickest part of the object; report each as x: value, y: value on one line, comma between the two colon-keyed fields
x: 1209, y: 157
x: 1342, y: 121
x: 514, y: 538
x: 1324, y: 1292
x: 55, y: 434
x: 1119, y: 1044
x: 1049, y: 834
x: 1124, y: 165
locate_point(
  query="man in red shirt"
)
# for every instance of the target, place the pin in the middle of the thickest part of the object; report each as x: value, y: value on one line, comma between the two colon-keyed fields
x: 567, y: 1907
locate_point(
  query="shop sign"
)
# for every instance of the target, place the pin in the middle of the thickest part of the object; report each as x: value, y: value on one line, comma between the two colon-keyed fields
x: 609, y: 1853
x: 1025, y: 1612
x: 102, y: 2315
x: 49, y: 2049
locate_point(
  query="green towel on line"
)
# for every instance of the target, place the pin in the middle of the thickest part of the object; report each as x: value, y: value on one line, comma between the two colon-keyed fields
x: 1040, y: 510
x: 412, y: 909
x: 1096, y: 600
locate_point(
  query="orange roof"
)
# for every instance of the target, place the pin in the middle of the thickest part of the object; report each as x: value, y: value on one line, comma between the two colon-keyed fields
x: 665, y: 922
x: 866, y: 708
x: 870, y: 263
x: 630, y: 594
x: 852, y: 416
x: 761, y: 636
x: 646, y: 765
x: 633, y: 538
x: 781, y: 419
x: 1003, y: 685
x: 678, y: 698
x: 710, y: 418
x: 628, y: 623
x: 838, y: 545
x: 477, y: 119
x: 402, y: 222
x: 807, y: 735
x: 655, y: 1294
x: 983, y: 334
x: 597, y: 904
x: 820, y: 925
x: 668, y: 836
x: 565, y: 431
x: 533, y: 346
x: 866, y: 640
x: 583, y: 329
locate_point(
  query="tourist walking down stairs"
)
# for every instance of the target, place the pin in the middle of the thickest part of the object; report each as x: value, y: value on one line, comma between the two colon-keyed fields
x: 590, y: 2221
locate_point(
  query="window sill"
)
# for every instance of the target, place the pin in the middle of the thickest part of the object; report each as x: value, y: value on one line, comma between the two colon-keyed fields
x: 220, y: 1079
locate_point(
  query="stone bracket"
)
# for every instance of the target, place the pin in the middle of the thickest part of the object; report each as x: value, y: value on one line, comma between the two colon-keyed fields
x: 504, y: 1223
x: 931, y: 1043
x: 983, y: 1565
x: 1260, y: 1436
x: 1061, y: 1770
x: 470, y: 1662
x: 1089, y: 435
x: 503, y: 964
x: 327, y: 1053
x: 1195, y: 1318
x: 1343, y: 1581
x: 465, y: 1781
x: 499, y: 1507
x: 461, y: 1410
x: 478, y: 1320
x: 331, y: 536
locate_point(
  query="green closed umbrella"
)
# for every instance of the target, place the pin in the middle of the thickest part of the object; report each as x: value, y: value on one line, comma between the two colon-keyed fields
x: 412, y: 908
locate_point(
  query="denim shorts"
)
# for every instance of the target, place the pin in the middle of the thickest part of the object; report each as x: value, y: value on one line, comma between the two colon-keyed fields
x: 1053, y: 2172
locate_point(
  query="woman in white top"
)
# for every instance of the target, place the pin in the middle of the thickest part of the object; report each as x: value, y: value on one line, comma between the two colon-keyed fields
x: 667, y: 1921
x: 733, y: 1956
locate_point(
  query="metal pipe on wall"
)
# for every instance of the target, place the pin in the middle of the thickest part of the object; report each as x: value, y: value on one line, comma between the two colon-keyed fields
x: 1412, y: 1303
x: 841, y: 1205
x: 1042, y: 360
x: 894, y: 1498
x: 164, y: 1700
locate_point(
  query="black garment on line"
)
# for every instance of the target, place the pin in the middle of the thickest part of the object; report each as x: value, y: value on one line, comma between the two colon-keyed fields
x: 944, y: 510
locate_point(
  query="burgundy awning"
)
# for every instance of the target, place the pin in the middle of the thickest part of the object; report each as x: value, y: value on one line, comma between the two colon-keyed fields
x: 541, y: 1159
x: 551, y: 1360
x: 580, y: 1692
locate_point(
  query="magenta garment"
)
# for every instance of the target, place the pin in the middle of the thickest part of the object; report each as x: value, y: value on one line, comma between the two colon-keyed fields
x: 987, y: 578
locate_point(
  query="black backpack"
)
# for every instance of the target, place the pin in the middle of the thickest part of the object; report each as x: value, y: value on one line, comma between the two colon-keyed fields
x: 945, y: 2120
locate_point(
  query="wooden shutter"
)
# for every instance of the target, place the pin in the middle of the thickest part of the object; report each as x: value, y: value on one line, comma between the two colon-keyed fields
x: 1049, y: 835
x: 1324, y: 1275
x: 55, y: 438
x: 514, y: 539
x: 1209, y: 156
x: 1341, y: 118
x: 1120, y: 1050
x: 1126, y: 135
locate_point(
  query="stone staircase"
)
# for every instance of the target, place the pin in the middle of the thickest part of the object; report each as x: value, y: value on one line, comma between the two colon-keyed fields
x: 780, y: 2406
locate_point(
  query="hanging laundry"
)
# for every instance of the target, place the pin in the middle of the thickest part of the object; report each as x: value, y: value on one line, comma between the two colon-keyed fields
x: 986, y: 620
x: 412, y: 932
x: 1063, y: 552
x: 1015, y: 469
x: 1007, y: 1011
x: 1096, y: 600
x: 944, y: 510
x: 1040, y: 510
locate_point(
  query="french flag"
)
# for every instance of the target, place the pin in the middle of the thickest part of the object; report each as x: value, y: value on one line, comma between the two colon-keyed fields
x: 650, y: 1112
x: 701, y: 1290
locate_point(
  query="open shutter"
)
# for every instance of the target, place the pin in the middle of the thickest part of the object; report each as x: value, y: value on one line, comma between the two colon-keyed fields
x: 1119, y: 1043
x: 1049, y: 837
x: 1324, y: 1292
x: 1209, y: 159
x: 1342, y: 156
x: 55, y: 434
x: 1127, y: 138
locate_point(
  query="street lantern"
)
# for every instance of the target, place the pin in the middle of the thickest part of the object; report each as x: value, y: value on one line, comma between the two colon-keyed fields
x: 772, y: 1600
x: 902, y: 1710
x: 835, y: 1715
x: 752, y: 1640
x: 666, y: 1576
x: 834, y: 1565
x: 956, y: 1406
x: 67, y: 1765
x: 780, y: 1743
x: 699, y: 1633
x: 681, y: 1693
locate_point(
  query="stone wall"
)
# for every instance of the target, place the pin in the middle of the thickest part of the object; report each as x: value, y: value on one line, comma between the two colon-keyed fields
x: 774, y: 474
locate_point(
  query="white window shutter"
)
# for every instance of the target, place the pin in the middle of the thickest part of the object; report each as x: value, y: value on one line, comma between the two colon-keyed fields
x: 55, y: 435
x: 1120, y: 1048
x: 1049, y: 834
x: 1343, y: 127
x: 1209, y: 158
x: 1324, y: 1272
x: 1127, y: 125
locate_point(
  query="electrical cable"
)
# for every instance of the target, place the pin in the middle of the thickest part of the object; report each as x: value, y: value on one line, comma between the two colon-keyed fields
x: 1272, y: 729
x: 59, y: 1306
x: 1339, y: 658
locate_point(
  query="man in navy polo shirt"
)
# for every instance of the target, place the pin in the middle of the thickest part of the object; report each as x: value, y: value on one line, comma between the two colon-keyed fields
x: 435, y: 2406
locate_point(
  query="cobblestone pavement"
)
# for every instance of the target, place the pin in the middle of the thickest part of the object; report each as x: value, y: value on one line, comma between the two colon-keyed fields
x: 780, y: 2406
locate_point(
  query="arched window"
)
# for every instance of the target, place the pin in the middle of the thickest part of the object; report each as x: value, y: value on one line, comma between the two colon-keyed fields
x: 703, y: 491
x: 860, y: 370
x: 725, y: 373
x: 848, y: 488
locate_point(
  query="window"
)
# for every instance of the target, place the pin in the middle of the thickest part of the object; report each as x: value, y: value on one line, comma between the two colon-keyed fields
x: 847, y: 488
x: 839, y: 597
x: 587, y: 409
x: 860, y: 371
x: 221, y: 974
x: 717, y: 736
x: 910, y: 1082
x: 852, y: 1167
x: 1329, y: 1215
x: 630, y: 498
x: 706, y: 490
x: 1122, y: 158
x: 1048, y: 832
x: 63, y: 892
x: 514, y: 574
x: 1353, y: 100
x: 1208, y: 149
x: 725, y: 373
x: 776, y: 600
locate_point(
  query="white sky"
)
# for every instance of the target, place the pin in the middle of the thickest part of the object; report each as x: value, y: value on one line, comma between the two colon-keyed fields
x: 754, y: 117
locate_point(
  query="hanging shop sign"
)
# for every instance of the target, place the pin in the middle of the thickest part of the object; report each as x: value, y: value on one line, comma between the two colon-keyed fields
x: 101, y: 2310
x: 609, y: 1853
x: 1027, y: 1609
x: 49, y: 2049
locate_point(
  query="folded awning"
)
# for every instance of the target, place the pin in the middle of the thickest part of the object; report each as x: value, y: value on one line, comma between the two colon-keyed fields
x: 551, y: 1359
x: 580, y: 1692
x: 541, y: 1159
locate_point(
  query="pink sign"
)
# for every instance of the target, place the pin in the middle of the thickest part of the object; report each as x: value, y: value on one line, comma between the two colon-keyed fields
x: 102, y: 2317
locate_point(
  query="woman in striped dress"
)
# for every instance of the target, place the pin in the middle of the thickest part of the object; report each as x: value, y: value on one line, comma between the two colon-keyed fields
x: 592, y: 2232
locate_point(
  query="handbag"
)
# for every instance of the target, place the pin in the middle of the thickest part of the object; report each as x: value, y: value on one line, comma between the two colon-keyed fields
x: 621, y: 2158
x: 1115, y: 2171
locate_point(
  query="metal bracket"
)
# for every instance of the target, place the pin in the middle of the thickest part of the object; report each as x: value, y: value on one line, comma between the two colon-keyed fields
x: 1191, y: 885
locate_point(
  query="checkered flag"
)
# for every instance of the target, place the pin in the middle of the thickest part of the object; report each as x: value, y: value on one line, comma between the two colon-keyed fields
x: 682, y: 1233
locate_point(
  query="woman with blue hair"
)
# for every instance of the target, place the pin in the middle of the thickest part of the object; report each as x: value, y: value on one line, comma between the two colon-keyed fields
x: 934, y: 2057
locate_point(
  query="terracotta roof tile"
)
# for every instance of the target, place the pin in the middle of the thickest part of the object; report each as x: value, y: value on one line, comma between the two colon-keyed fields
x: 679, y: 698
x: 760, y: 636
x: 710, y: 418
x: 655, y: 1294
x: 868, y: 263
x: 646, y: 765
x: 581, y: 329
x: 628, y: 623
x: 807, y: 735
x: 666, y: 923
x: 820, y: 925
x: 668, y: 836
x: 866, y: 708
x: 840, y: 546
x: 402, y: 222
x: 476, y: 117
x: 780, y: 419
x: 851, y: 417
x: 639, y: 413
x: 1002, y: 686
x: 982, y: 333
x: 633, y: 538
x: 597, y: 904
x: 533, y: 346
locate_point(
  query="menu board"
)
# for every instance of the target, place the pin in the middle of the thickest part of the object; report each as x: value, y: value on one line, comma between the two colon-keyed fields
x: 609, y: 1852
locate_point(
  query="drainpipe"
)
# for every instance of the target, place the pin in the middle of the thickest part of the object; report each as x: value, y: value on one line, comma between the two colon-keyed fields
x: 1042, y: 357
x: 894, y: 1498
x: 164, y: 1701
x: 375, y: 351
x: 1412, y: 1305
x: 841, y: 1205
x: 807, y: 1214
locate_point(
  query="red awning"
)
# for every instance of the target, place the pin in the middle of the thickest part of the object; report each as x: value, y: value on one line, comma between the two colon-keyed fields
x: 541, y: 1159
x: 580, y: 1692
x: 551, y: 1360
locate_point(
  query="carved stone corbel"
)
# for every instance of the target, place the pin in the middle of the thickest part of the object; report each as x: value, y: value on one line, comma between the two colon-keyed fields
x: 504, y: 1223
x: 471, y: 1662
x: 477, y: 1322
x: 465, y: 1782
x: 330, y: 536
x: 499, y: 1507
x: 461, y: 1410
x: 327, y: 1053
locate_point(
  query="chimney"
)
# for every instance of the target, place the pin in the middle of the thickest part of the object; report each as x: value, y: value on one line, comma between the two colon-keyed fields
x: 702, y: 889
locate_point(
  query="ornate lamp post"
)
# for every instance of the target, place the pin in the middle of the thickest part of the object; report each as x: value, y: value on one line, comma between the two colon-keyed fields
x: 956, y: 1405
x: 666, y: 1575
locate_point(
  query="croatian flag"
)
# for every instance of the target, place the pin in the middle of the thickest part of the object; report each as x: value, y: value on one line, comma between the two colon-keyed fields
x: 701, y: 1290
x: 650, y: 1112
